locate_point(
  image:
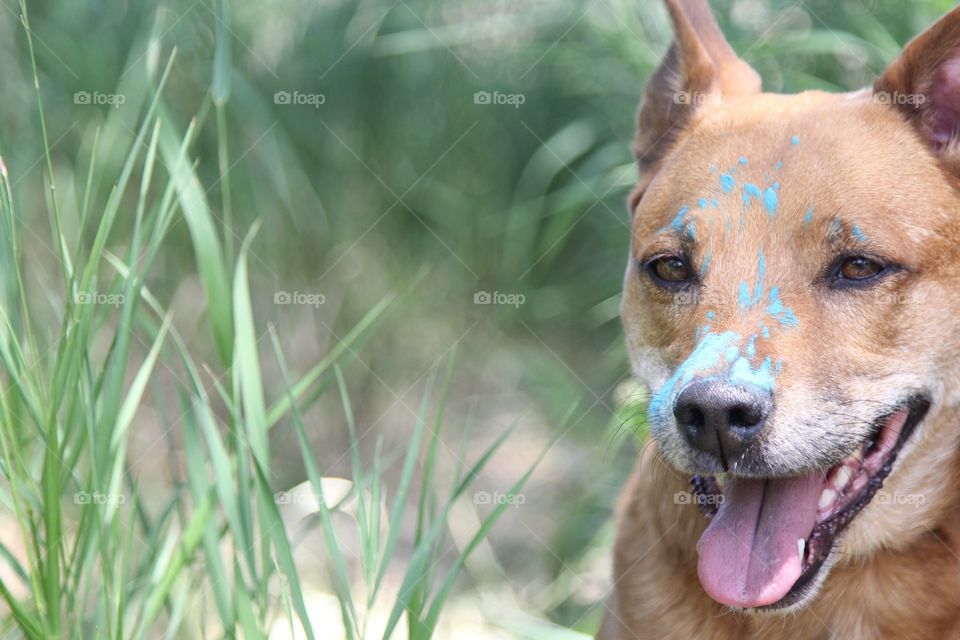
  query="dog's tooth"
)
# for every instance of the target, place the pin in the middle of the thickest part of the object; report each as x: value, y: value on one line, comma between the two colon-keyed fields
x: 843, y: 477
x: 801, y: 547
x: 827, y: 498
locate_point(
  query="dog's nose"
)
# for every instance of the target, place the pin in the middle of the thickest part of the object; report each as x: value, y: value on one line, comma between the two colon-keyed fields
x: 720, y: 418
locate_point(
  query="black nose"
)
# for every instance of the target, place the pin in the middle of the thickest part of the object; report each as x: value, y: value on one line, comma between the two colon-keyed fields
x: 720, y: 418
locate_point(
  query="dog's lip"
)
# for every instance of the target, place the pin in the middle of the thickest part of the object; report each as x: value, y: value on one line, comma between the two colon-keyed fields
x: 881, y: 450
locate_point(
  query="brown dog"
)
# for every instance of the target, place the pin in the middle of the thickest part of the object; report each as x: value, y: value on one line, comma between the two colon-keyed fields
x: 792, y: 301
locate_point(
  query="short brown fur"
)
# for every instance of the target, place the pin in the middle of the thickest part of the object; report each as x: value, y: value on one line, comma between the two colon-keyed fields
x: 897, y: 574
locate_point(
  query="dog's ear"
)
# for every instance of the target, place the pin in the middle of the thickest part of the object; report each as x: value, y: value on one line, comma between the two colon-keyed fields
x: 700, y: 68
x: 923, y: 83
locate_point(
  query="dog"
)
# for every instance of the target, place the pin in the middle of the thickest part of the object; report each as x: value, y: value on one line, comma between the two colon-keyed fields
x: 792, y: 302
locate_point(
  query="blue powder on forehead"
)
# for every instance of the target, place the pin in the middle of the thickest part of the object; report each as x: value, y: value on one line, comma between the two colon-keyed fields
x: 858, y: 233
x: 770, y: 199
x: 750, y: 191
x: 727, y: 182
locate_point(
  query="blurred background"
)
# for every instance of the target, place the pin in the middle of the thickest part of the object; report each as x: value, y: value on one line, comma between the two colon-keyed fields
x: 472, y: 158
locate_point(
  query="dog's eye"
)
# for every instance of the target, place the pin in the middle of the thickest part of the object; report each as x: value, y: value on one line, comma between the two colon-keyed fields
x: 859, y: 268
x: 669, y: 269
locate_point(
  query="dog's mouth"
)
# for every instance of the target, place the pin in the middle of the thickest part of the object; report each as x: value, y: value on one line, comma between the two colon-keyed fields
x: 769, y: 538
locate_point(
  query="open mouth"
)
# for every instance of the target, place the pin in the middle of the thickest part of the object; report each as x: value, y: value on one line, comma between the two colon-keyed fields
x: 769, y: 538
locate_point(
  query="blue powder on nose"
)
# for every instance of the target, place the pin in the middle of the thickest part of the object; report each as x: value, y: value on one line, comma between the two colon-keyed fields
x: 762, y: 377
x: 705, y: 356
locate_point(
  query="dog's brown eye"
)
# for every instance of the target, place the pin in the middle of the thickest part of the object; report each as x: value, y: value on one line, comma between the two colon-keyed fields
x: 670, y: 269
x: 859, y: 268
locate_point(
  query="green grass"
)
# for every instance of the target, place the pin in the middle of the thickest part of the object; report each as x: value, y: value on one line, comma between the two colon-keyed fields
x: 158, y: 406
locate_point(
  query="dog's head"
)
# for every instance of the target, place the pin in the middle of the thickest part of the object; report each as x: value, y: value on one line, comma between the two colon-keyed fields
x: 792, y: 301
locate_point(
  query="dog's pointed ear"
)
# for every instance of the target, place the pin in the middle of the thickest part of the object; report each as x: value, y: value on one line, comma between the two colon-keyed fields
x: 923, y: 83
x: 700, y: 68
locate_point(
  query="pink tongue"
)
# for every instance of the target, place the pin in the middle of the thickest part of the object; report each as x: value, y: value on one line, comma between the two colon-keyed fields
x: 748, y: 554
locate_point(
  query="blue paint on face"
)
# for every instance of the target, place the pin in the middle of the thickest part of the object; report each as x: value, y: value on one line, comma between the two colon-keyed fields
x: 770, y: 199
x: 766, y: 333
x: 750, y: 191
x: 743, y: 298
x: 795, y: 140
x: 727, y: 182
x: 858, y: 233
x: 761, y: 272
x: 779, y: 311
x: 779, y: 164
x: 703, y: 271
x: 705, y: 356
x: 715, y: 202
x: 743, y: 160
x: 732, y: 353
x: 743, y: 373
x: 752, y: 346
x: 711, y: 315
x: 808, y: 217
x: 702, y: 203
x: 691, y: 229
